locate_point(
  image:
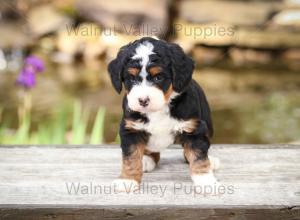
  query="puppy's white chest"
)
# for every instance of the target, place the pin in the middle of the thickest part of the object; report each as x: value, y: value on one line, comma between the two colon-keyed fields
x: 161, y: 127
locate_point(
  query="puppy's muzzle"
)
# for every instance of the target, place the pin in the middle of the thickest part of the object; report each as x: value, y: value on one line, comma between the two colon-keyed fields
x: 144, y: 102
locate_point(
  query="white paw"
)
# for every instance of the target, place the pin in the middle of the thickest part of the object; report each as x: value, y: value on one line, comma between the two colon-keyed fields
x: 148, y: 164
x: 125, y: 185
x: 215, y: 162
x: 207, y: 179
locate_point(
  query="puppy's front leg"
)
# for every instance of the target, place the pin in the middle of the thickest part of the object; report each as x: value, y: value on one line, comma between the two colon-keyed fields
x: 201, y: 167
x: 150, y: 160
x: 132, y: 168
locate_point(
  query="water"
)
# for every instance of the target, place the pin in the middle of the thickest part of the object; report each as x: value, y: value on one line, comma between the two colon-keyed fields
x: 249, y: 105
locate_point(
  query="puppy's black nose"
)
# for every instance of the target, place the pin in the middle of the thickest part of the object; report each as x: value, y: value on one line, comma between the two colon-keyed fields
x: 144, y: 101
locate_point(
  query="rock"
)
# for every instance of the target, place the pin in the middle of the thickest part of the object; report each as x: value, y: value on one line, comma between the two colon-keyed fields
x: 68, y: 43
x: 85, y: 39
x: 211, y: 34
x: 133, y: 17
x: 63, y: 58
x: 45, y: 19
x: 271, y: 39
x: 9, y: 10
x: 114, y: 42
x: 289, y: 17
x: 13, y: 34
x: 186, y: 45
x: 292, y: 3
x: 89, y: 40
x: 233, y: 12
x: 66, y: 6
x: 291, y: 57
x: 204, y: 55
x: 250, y: 56
x: 3, y: 61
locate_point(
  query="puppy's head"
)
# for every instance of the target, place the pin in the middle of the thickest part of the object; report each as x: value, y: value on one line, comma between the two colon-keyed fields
x: 152, y: 71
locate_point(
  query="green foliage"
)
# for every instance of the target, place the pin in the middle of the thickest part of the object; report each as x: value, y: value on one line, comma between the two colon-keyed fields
x: 118, y: 139
x: 59, y: 129
x: 79, y: 125
x: 1, y: 128
x: 98, y: 129
x: 22, y: 135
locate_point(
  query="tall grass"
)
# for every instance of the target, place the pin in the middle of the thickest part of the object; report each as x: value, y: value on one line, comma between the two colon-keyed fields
x: 98, y: 127
x: 65, y: 127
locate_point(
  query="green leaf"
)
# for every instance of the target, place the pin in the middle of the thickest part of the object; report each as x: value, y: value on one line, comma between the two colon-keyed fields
x: 44, y: 134
x: 79, y: 125
x: 98, y: 128
x: 1, y: 126
x: 22, y: 135
x: 1, y: 112
x: 118, y: 139
x: 59, y: 127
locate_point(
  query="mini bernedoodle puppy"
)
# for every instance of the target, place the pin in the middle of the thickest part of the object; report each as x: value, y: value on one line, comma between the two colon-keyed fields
x: 162, y: 105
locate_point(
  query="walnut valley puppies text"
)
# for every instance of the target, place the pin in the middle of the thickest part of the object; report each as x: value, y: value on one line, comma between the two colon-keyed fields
x: 160, y: 190
x: 196, y: 31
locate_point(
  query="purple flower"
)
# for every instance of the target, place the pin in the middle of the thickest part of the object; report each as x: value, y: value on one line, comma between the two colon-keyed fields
x: 26, y: 78
x: 35, y: 62
x: 32, y: 66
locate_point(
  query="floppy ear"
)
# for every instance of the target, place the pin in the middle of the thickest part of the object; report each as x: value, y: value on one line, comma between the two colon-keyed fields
x: 115, y: 69
x: 182, y: 67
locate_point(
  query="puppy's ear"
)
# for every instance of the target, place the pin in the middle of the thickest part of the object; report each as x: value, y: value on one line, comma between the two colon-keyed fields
x: 115, y: 69
x: 182, y: 67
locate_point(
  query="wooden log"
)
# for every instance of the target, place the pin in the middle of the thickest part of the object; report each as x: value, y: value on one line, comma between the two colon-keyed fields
x: 74, y: 182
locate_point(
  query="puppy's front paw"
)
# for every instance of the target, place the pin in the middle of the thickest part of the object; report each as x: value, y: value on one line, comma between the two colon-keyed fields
x: 148, y: 164
x: 125, y: 185
x: 203, y: 180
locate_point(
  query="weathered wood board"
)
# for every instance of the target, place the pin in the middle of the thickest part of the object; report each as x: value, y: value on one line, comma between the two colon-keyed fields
x: 74, y: 182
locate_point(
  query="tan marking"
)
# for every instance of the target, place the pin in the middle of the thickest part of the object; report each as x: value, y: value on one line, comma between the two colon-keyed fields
x: 190, y: 125
x: 197, y: 166
x: 133, y: 71
x: 168, y: 93
x: 129, y: 124
x: 133, y: 125
x: 132, y: 167
x: 154, y: 155
x: 154, y: 70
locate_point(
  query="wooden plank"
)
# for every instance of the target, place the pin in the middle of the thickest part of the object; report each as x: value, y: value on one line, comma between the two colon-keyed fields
x: 185, y: 213
x: 40, y: 182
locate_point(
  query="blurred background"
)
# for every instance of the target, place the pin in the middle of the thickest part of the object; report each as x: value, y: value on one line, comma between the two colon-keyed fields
x: 247, y: 55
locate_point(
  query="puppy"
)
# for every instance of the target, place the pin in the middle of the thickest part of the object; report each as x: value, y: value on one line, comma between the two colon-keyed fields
x: 162, y: 105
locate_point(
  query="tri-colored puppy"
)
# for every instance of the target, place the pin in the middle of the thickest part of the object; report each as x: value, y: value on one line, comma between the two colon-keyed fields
x: 162, y: 105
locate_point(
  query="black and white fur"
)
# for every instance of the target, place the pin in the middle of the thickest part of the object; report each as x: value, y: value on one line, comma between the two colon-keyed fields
x: 165, y: 107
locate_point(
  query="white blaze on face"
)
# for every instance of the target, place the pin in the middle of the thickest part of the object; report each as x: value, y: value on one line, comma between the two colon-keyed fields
x: 144, y: 89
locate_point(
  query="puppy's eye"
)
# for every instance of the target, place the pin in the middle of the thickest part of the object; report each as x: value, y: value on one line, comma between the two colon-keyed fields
x: 133, y: 79
x: 158, y: 78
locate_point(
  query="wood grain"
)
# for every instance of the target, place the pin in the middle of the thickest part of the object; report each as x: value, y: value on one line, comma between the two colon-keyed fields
x: 35, y: 184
